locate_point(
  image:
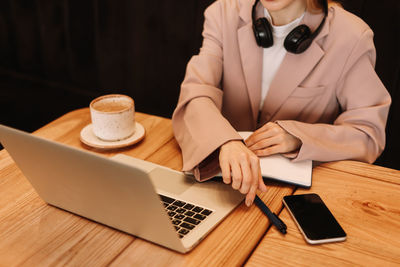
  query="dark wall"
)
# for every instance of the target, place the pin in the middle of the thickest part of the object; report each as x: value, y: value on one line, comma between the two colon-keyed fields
x: 56, y: 56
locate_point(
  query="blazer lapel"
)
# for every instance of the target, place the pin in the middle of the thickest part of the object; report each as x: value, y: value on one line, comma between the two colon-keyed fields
x: 251, y: 57
x: 294, y: 68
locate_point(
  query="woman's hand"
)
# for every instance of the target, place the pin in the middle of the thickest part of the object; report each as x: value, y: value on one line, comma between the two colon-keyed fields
x: 241, y: 167
x: 272, y: 139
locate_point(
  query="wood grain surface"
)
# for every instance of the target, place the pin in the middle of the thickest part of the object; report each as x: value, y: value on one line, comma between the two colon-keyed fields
x: 366, y: 170
x: 33, y: 233
x: 368, y: 210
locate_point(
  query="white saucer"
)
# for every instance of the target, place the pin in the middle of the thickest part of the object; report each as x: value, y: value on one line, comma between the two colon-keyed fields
x: 87, y: 137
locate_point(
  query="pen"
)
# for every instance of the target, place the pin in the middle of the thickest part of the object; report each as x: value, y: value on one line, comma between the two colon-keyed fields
x: 271, y: 216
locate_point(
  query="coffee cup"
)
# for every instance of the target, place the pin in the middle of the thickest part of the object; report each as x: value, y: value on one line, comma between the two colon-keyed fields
x: 113, y: 117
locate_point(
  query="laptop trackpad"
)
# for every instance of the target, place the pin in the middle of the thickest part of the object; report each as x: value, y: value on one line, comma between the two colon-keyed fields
x: 169, y: 180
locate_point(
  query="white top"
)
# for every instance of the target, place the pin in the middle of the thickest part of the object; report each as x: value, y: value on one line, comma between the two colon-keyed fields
x: 273, y: 56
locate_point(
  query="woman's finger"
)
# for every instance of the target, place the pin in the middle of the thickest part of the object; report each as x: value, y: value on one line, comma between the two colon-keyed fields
x: 236, y: 175
x: 248, y: 175
x: 267, y: 142
x: 275, y: 149
x: 267, y: 131
x: 226, y: 171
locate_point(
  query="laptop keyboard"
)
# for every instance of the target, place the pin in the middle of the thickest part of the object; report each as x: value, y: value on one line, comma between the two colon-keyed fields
x: 184, y: 216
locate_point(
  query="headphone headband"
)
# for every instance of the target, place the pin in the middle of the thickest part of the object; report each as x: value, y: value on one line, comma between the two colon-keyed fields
x: 297, y: 41
x: 324, y: 4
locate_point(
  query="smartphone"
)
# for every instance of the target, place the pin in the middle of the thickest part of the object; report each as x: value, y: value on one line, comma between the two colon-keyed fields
x: 313, y: 218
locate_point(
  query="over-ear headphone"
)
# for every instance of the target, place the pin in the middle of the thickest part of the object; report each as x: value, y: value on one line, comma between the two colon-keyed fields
x: 297, y: 41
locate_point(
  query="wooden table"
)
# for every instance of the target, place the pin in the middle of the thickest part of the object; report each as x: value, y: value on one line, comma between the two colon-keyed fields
x: 361, y: 196
x: 365, y: 199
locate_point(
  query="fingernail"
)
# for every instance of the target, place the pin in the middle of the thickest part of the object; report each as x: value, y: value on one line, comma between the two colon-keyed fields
x: 248, y: 202
x: 265, y: 189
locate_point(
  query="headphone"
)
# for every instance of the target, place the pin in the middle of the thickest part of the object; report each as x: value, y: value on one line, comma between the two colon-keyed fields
x: 297, y: 41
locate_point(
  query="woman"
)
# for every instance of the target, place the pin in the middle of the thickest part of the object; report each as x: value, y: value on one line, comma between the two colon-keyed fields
x: 323, y: 104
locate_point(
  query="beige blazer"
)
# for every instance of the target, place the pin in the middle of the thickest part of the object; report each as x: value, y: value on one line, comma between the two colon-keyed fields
x: 329, y: 96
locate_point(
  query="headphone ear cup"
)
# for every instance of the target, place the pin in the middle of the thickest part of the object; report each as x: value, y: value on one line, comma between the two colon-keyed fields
x: 298, y: 40
x: 263, y: 32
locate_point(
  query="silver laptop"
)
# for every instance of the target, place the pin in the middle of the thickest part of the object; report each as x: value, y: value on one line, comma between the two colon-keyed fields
x: 144, y: 199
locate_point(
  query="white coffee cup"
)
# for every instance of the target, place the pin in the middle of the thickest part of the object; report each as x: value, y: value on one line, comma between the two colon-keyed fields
x: 113, y: 117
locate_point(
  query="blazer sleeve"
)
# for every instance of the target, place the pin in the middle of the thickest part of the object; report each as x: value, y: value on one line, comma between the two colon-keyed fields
x: 358, y: 133
x: 199, y: 127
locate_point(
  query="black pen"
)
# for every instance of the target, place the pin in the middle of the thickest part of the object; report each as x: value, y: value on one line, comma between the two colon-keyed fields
x: 271, y: 216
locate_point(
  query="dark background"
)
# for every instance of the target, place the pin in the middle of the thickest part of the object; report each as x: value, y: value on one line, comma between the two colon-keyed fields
x: 57, y: 55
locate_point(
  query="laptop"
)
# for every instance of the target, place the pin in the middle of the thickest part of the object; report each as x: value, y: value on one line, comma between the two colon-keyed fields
x: 138, y: 197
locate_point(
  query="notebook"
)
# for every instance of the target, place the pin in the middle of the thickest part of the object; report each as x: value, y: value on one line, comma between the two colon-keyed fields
x: 138, y: 197
x: 282, y: 169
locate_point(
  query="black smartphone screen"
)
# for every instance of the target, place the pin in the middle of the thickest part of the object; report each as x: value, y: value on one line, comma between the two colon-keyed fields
x: 314, y: 218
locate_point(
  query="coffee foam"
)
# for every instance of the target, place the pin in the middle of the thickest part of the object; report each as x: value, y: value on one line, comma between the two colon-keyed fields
x: 112, y: 104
